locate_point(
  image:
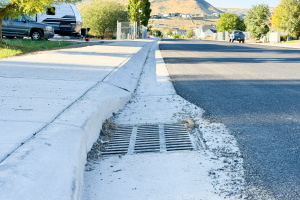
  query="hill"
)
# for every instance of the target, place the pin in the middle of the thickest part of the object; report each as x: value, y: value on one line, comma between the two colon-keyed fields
x: 237, y: 11
x: 177, y: 6
x: 183, y: 6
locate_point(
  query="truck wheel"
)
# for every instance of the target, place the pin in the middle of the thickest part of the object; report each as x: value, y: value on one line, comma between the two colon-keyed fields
x: 36, y: 35
x: 240, y: 41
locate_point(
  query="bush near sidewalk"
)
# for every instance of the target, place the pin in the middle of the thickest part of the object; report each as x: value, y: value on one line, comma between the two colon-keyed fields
x: 21, y: 46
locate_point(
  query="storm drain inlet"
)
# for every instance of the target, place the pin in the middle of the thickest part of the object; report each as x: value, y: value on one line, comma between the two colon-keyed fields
x: 148, y: 138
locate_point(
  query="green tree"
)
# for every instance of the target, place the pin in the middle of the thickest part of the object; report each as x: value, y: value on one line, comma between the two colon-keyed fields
x: 176, y: 36
x: 230, y: 22
x: 139, y: 11
x: 286, y: 17
x: 189, y: 33
x: 157, y: 33
x: 258, y: 20
x: 102, y: 16
x: 168, y: 32
x: 14, y: 8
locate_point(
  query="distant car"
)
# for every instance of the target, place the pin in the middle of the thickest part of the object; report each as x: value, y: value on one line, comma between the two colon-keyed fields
x: 238, y: 36
x: 23, y: 27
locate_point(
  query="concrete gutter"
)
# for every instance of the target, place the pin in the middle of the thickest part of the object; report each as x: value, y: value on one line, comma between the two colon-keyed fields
x: 51, y: 164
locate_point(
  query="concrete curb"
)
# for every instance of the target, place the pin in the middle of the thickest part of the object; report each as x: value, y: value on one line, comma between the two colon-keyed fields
x: 51, y: 164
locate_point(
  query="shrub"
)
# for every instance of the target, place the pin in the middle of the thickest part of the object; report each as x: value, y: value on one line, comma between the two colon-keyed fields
x: 176, y: 35
x: 283, y: 38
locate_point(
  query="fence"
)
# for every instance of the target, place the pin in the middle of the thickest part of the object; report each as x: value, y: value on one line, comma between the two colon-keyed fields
x: 220, y: 36
x: 128, y: 30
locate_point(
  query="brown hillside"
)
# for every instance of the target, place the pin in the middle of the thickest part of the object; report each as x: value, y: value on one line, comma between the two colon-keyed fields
x: 176, y: 6
x: 182, y: 6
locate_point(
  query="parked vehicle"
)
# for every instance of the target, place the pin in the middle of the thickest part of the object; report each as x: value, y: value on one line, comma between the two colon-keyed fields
x: 23, y: 27
x: 238, y: 36
x: 65, y: 18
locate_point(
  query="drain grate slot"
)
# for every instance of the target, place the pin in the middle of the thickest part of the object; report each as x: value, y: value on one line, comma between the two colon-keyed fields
x: 148, y: 138
x: 177, y: 138
x: 119, y: 142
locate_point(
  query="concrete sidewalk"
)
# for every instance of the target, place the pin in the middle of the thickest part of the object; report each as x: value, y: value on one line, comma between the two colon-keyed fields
x: 52, y: 108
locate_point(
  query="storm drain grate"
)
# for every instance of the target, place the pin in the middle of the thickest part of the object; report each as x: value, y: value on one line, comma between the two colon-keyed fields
x: 149, y: 138
x: 177, y: 138
x: 119, y: 142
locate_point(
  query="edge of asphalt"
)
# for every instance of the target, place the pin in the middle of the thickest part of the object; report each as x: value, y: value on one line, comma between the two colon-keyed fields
x: 51, y: 164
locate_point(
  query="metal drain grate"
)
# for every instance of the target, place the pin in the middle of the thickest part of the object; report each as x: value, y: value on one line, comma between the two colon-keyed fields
x: 177, y: 138
x: 119, y: 143
x: 149, y: 138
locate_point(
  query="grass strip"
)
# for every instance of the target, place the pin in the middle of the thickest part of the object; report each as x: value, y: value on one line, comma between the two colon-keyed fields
x: 15, y: 47
x: 293, y: 41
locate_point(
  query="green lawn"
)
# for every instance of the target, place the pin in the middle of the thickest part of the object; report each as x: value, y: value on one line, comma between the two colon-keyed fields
x: 293, y: 41
x: 15, y: 47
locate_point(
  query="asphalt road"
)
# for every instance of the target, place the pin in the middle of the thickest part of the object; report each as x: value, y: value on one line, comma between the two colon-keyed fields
x: 255, y: 91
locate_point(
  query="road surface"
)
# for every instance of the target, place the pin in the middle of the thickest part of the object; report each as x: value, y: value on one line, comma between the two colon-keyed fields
x: 255, y: 91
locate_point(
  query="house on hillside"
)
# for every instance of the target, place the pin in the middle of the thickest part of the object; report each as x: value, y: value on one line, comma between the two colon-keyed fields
x: 179, y: 31
x: 209, y: 34
x: 200, y: 32
x: 182, y: 32
x: 185, y: 15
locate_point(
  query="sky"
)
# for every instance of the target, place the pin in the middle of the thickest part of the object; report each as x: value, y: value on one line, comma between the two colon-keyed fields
x: 241, y: 3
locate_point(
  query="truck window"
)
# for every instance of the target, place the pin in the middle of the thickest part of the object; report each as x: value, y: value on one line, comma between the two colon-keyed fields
x: 19, y: 19
x: 50, y: 11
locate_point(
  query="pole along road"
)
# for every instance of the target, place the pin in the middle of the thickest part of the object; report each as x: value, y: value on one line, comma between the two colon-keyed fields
x: 255, y: 91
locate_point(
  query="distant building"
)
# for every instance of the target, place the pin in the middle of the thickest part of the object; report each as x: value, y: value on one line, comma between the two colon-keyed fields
x: 200, y: 32
x: 182, y: 32
x: 155, y: 17
x: 179, y: 31
x: 216, y: 15
x: 209, y: 33
x: 185, y: 15
x: 156, y: 25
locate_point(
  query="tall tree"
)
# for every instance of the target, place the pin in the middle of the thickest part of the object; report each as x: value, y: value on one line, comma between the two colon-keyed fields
x: 189, y: 33
x: 230, y: 22
x: 139, y: 11
x: 286, y: 17
x: 15, y: 8
x: 258, y: 20
x: 102, y: 16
